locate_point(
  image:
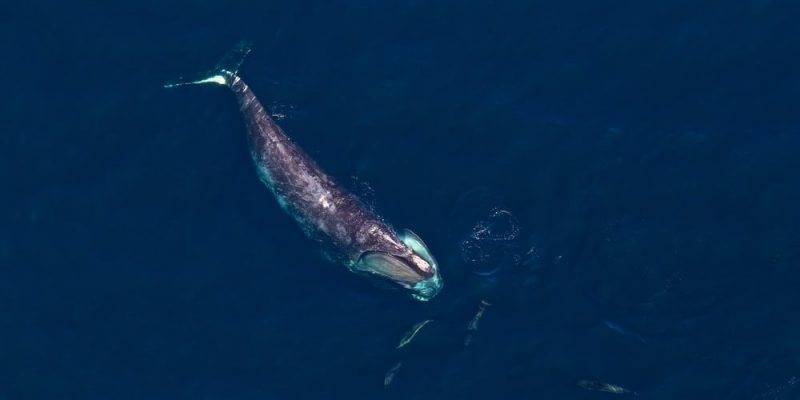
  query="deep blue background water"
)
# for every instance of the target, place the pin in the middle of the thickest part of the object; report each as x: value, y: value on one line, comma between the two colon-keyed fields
x: 644, y: 152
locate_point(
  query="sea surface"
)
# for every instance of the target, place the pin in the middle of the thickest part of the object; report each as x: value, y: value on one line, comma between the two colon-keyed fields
x: 612, y: 190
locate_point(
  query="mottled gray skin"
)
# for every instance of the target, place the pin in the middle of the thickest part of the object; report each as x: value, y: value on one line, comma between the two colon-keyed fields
x: 325, y: 211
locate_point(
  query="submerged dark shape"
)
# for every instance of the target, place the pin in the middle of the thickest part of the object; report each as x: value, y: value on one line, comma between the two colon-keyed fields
x: 602, y: 387
x: 622, y: 331
x: 352, y: 233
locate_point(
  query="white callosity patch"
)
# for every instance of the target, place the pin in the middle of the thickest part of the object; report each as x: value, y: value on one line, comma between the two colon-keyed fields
x: 326, y: 203
x: 421, y: 263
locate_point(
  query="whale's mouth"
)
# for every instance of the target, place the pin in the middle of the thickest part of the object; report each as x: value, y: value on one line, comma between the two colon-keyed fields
x: 412, y: 268
x: 422, y: 280
x: 393, y: 267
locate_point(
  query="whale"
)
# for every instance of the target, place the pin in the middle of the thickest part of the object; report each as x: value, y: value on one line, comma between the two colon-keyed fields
x: 350, y: 232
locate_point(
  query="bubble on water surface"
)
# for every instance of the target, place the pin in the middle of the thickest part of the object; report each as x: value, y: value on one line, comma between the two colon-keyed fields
x: 493, y: 243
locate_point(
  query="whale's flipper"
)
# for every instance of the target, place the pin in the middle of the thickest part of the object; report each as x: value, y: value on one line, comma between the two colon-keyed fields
x: 222, y: 73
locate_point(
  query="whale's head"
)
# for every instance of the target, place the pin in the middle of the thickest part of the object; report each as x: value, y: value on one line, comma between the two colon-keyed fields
x: 413, y: 269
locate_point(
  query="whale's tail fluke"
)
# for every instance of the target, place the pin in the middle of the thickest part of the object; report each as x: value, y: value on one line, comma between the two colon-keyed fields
x: 223, y: 73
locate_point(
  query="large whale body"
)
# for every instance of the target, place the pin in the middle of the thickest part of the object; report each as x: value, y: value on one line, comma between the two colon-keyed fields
x: 351, y: 233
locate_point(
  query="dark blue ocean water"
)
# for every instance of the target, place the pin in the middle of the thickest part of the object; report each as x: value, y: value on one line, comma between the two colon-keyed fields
x: 619, y: 179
